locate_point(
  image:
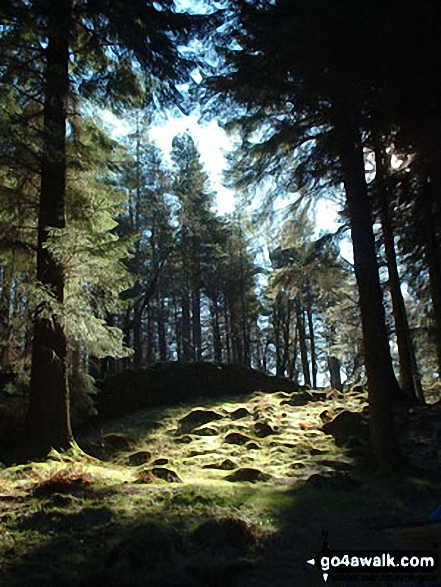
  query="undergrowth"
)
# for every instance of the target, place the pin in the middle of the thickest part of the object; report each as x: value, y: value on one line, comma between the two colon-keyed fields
x: 77, y: 521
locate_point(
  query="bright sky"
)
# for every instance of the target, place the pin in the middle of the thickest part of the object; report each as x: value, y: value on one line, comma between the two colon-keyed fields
x: 212, y: 142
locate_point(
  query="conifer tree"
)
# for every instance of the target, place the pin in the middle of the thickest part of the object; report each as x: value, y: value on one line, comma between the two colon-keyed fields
x: 76, y: 36
x: 305, y: 64
x: 191, y: 188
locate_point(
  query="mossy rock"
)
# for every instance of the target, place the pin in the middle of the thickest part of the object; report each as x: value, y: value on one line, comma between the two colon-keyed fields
x: 252, y: 445
x: 239, y: 413
x: 218, y: 572
x: 145, y: 476
x: 236, y: 438
x: 318, y: 396
x: 263, y: 429
x: 160, y: 462
x: 142, y: 548
x: 65, y: 481
x: 225, y: 533
x: 199, y: 453
x: 139, y: 458
x: 151, y: 426
x: 336, y: 465
x: 297, y: 399
x: 225, y: 465
x: 326, y: 416
x: 298, y: 465
x: 331, y: 481
x: 316, y: 452
x: 248, y: 474
x: 166, y: 474
x: 197, y: 418
x: 185, y: 439
x: 205, y: 431
x: 348, y: 428
x: 116, y: 442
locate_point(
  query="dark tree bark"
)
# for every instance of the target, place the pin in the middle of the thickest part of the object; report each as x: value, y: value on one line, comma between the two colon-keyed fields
x: 160, y: 318
x: 292, y: 371
x: 334, y: 373
x: 137, y: 337
x: 302, y: 343
x: 187, y: 353
x: 5, y: 319
x: 433, y: 259
x: 178, y: 329
x: 409, y: 378
x: 151, y: 334
x: 381, y: 380
x: 286, y: 334
x: 196, y: 324
x: 48, y: 420
x: 227, y: 331
x: 277, y: 326
x: 217, y: 345
x: 311, y: 338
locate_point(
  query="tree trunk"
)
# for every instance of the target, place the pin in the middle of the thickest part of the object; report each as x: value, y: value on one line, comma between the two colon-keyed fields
x: 382, y: 383
x: 286, y: 334
x: 277, y: 333
x: 302, y: 343
x: 410, y: 381
x: 227, y: 332
x: 196, y: 324
x: 178, y: 330
x: 217, y: 345
x: 334, y: 373
x: 5, y: 318
x: 151, y: 334
x: 292, y: 371
x: 137, y: 336
x: 48, y: 419
x: 186, y: 334
x: 433, y: 260
x: 311, y: 338
x: 160, y: 316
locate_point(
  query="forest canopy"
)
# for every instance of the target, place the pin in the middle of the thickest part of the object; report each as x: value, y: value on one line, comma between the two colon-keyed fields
x: 112, y: 257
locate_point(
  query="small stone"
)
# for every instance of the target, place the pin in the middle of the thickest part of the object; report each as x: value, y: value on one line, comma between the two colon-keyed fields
x: 248, y: 474
x: 298, y: 465
x: 116, y: 442
x: 139, y: 458
x: 236, y: 438
x: 205, y: 431
x: 225, y: 533
x: 186, y: 439
x: 331, y: 481
x: 166, y: 474
x: 226, y: 465
x: 347, y: 428
x: 197, y: 418
x: 297, y: 399
x: 336, y: 465
x: 145, y: 476
x: 161, y: 461
x: 263, y: 429
x: 252, y: 446
x: 239, y: 413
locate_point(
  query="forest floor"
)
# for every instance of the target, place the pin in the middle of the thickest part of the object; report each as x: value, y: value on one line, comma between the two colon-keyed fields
x: 218, y: 493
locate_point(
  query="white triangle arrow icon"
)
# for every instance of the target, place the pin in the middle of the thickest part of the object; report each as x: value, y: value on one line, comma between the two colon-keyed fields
x: 325, y: 577
x: 311, y: 561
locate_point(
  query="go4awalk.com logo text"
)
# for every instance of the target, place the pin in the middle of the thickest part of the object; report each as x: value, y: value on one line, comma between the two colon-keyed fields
x: 376, y: 565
